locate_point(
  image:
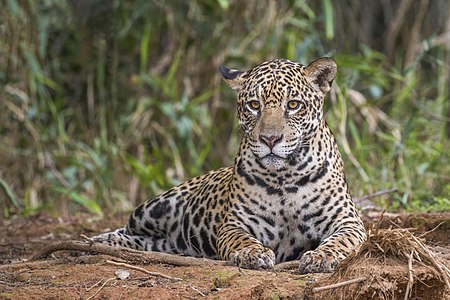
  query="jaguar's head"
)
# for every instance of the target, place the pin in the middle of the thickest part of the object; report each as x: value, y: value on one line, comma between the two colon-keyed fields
x: 280, y: 105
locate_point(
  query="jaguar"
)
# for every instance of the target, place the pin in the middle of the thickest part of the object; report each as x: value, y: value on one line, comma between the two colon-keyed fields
x: 284, y: 198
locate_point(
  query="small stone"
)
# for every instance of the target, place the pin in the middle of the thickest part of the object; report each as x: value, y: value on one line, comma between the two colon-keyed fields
x: 122, y: 274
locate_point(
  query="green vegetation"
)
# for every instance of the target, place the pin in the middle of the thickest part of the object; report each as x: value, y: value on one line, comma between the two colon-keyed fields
x: 223, y: 279
x: 106, y: 103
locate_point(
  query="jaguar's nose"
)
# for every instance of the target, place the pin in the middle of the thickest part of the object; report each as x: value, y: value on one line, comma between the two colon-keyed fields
x: 270, y: 140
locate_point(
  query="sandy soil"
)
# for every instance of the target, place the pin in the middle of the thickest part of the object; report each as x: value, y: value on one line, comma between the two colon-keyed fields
x: 67, y: 275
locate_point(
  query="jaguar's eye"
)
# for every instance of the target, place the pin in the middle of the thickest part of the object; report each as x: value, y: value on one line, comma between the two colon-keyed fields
x: 254, y: 104
x: 293, y: 104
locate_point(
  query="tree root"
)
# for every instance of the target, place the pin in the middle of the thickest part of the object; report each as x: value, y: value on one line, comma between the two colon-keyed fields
x: 287, y: 266
x: 141, y: 257
x: 126, y: 254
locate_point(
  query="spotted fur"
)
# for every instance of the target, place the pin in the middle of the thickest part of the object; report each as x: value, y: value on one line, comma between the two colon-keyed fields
x: 285, y: 197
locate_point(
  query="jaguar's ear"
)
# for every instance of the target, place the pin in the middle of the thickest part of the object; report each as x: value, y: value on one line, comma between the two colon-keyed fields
x: 234, y: 78
x: 321, y: 73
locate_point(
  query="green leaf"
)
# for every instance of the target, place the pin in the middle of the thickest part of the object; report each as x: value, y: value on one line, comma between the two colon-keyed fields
x: 224, y: 4
x: 329, y: 25
x: 9, y: 193
x: 89, y: 204
x: 14, y: 8
x: 145, y: 47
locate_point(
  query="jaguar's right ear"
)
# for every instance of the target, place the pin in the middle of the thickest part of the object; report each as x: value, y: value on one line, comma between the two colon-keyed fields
x: 234, y: 78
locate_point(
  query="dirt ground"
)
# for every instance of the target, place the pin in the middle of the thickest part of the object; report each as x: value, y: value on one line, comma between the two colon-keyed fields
x: 67, y: 275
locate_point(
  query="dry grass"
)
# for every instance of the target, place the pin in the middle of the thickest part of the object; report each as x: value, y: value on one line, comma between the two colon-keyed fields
x: 396, y: 264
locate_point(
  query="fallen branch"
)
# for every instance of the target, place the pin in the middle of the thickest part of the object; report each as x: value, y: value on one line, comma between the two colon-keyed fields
x: 339, y: 284
x: 126, y: 254
x: 142, y: 257
x: 155, y: 274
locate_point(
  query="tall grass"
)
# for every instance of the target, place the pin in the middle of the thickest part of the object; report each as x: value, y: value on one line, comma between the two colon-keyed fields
x: 106, y: 103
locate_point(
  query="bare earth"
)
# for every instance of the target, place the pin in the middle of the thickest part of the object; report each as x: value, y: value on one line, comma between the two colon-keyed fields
x: 69, y: 275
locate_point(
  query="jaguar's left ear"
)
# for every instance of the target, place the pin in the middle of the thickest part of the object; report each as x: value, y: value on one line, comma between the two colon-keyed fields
x: 321, y: 73
x: 234, y: 78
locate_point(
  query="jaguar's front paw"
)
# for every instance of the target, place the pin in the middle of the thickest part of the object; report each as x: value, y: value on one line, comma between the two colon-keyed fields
x: 254, y: 258
x: 317, y: 262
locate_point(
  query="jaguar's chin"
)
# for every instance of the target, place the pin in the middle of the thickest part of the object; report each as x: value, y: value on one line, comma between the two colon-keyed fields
x: 273, y: 161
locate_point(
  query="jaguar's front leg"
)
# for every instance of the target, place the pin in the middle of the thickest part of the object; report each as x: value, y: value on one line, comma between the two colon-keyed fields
x: 332, y: 250
x: 242, y: 249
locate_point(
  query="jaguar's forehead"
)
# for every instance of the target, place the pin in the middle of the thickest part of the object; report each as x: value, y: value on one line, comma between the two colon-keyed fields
x: 276, y: 64
x: 275, y: 80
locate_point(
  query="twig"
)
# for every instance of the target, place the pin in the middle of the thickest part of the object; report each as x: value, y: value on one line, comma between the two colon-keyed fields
x: 123, y: 292
x: 374, y: 195
x: 167, y: 57
x: 415, y: 33
x: 344, y: 141
x: 100, y: 288
x: 156, y: 274
x: 339, y: 284
x: 197, y: 290
x: 378, y: 227
x: 87, y: 239
x: 411, y: 278
x: 32, y: 265
x: 93, y: 286
x: 395, y: 26
x: 430, y: 231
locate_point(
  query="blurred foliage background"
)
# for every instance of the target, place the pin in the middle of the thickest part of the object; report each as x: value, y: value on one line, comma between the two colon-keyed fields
x: 104, y: 104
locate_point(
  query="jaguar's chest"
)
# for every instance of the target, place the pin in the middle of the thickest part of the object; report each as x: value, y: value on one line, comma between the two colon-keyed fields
x: 288, y: 223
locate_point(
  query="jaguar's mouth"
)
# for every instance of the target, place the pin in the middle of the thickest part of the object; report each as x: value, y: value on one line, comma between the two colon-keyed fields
x: 272, y: 155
